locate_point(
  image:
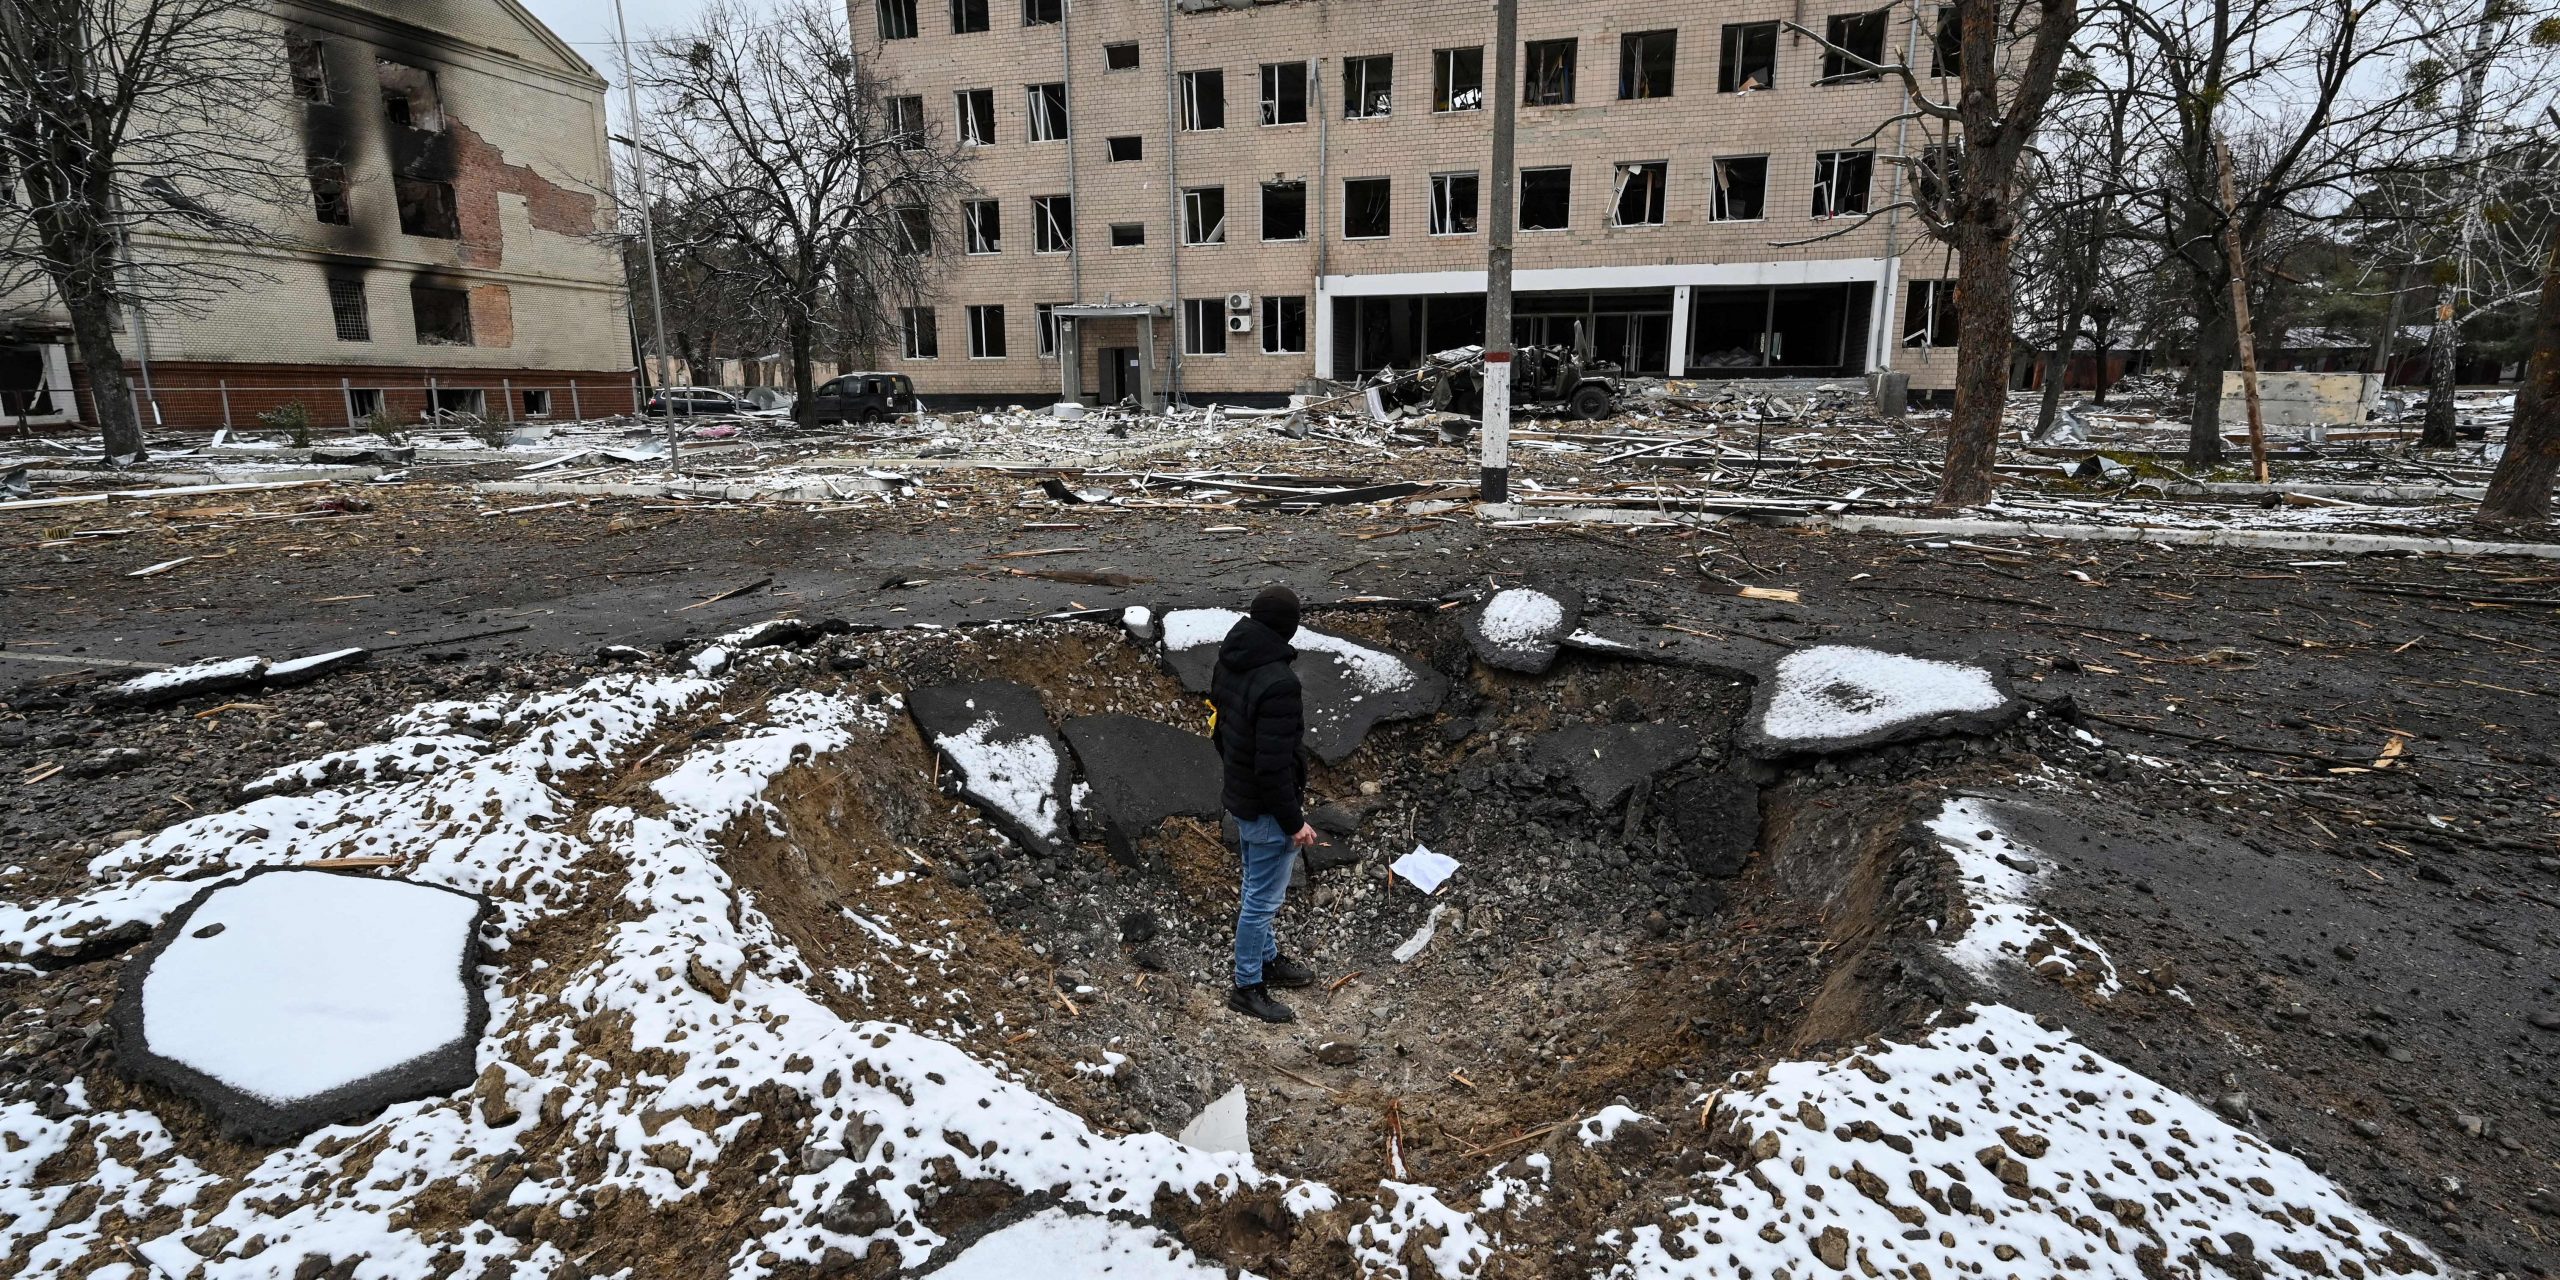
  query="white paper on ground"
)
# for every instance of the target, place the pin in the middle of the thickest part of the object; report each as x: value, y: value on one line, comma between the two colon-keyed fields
x: 1220, y: 1125
x: 1421, y: 937
x: 1427, y: 870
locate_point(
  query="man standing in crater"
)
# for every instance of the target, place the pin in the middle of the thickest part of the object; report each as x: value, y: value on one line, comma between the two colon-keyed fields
x: 1260, y: 724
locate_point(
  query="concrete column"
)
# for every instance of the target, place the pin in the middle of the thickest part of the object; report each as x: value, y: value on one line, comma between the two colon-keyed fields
x: 1321, y: 331
x: 1679, y: 366
x: 1147, y: 395
x: 1070, y: 360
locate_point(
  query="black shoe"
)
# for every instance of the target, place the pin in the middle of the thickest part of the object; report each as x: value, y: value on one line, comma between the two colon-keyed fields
x: 1256, y: 1002
x: 1281, y: 971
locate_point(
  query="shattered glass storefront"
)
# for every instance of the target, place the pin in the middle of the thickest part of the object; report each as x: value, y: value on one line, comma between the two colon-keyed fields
x: 1811, y: 329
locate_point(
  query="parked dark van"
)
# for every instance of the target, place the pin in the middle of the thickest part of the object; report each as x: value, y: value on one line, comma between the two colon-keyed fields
x: 864, y: 397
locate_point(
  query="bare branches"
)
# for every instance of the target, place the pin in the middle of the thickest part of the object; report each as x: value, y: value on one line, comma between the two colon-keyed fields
x: 1920, y: 100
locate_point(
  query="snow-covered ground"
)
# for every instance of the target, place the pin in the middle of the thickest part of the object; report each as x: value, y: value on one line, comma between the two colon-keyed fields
x: 686, y: 1047
x: 1831, y: 692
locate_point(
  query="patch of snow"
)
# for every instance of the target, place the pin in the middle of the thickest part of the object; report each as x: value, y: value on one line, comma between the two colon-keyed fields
x: 1590, y: 639
x: 1063, y: 1246
x: 291, y: 984
x: 1840, y: 691
x: 1372, y: 669
x: 1105, y: 1069
x: 2074, y: 1165
x: 1019, y: 777
x: 403, y: 757
x: 1220, y: 1126
x: 2008, y: 927
x: 1603, y: 1125
x: 1404, y: 1210
x: 1518, y: 615
x: 179, y: 677
x: 296, y: 666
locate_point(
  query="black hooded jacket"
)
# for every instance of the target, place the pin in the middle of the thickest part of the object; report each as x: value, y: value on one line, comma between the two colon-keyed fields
x: 1261, y: 719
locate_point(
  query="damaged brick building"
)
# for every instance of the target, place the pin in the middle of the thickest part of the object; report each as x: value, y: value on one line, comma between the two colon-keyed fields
x: 453, y: 249
x: 1230, y: 197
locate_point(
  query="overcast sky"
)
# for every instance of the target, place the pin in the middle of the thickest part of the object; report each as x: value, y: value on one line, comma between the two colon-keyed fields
x: 588, y: 24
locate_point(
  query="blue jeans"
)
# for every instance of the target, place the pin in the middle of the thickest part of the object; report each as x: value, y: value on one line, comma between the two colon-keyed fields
x: 1268, y: 858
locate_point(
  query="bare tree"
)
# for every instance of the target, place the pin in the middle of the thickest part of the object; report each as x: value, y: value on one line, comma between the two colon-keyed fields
x: 818, y: 196
x: 2520, y: 488
x: 1967, y: 189
x: 125, y: 118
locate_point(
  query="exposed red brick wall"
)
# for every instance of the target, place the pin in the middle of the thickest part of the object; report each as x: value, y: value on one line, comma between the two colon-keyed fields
x: 481, y: 174
x: 493, y: 316
x: 191, y: 394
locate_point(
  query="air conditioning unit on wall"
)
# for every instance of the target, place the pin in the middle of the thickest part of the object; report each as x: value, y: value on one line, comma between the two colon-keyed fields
x: 1239, y: 302
x: 1239, y: 324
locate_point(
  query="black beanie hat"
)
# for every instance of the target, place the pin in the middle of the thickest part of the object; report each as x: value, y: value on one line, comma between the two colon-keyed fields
x: 1277, y: 608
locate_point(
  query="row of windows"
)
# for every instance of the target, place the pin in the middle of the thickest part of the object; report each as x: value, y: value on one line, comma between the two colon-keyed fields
x: 1929, y: 320
x: 1640, y: 196
x: 1747, y: 62
x: 1206, y: 324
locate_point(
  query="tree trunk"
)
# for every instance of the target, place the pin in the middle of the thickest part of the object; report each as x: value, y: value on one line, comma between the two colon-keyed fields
x: 1985, y: 308
x: 2213, y: 356
x: 2520, y: 489
x: 2444, y: 356
x: 804, y: 381
x: 2057, y: 366
x: 2102, y: 340
x: 93, y: 330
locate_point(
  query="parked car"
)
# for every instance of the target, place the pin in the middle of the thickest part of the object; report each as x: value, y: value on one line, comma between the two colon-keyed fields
x: 685, y: 402
x: 864, y: 397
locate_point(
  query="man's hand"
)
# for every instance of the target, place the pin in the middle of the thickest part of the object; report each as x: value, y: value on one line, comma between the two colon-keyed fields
x: 1305, y: 837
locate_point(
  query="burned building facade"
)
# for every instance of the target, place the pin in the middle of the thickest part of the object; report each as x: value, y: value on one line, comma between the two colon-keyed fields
x: 446, y: 245
x: 1227, y: 198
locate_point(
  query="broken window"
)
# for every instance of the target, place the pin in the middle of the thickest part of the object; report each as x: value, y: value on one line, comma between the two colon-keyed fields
x: 1131, y: 147
x: 906, y: 121
x: 915, y: 229
x: 1284, y: 93
x: 982, y: 221
x: 977, y: 116
x: 349, y: 309
x: 1546, y: 199
x: 363, y: 402
x: 1750, y: 57
x: 1453, y: 204
x: 1204, y: 215
x: 1645, y: 60
x: 986, y: 333
x: 897, y: 19
x: 1204, y: 326
x: 1044, y: 317
x: 1366, y: 208
x: 1284, y: 325
x: 968, y: 16
x: 1858, y: 33
x: 426, y: 208
x: 470, y: 400
x: 537, y: 402
x: 1204, y: 100
x: 409, y: 97
x: 1043, y: 13
x: 1368, y: 87
x: 1457, y: 79
x: 1284, y: 211
x: 1053, y: 224
x: 442, y: 316
x: 1548, y: 74
x: 1929, y: 317
x: 307, y: 60
x: 1840, y: 181
x: 1128, y: 235
x: 1048, y: 111
x: 1946, y: 53
x: 917, y: 339
x: 1742, y: 188
x: 1640, y: 193
x: 329, y: 191
x: 1120, y: 56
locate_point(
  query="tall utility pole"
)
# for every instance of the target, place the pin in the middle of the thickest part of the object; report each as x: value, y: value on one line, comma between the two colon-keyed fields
x: 648, y: 221
x: 1496, y: 483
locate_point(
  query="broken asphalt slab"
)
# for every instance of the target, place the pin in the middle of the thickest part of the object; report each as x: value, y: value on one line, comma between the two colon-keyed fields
x: 1011, y: 764
x: 1142, y: 772
x: 1606, y: 761
x: 1521, y: 628
x: 1836, y: 698
x: 1350, y: 687
x: 293, y: 999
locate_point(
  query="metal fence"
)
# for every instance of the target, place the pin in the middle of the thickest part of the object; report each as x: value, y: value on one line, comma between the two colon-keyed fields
x: 350, y: 402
